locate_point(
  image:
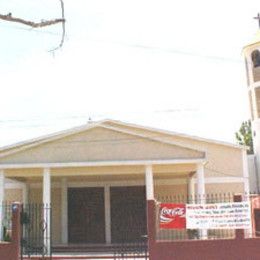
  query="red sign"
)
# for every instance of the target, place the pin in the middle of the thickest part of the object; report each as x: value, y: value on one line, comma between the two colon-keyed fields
x: 172, y: 216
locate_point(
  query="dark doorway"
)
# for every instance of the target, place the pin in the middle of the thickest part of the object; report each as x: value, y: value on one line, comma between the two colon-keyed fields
x: 128, y: 214
x: 257, y: 222
x: 86, y: 215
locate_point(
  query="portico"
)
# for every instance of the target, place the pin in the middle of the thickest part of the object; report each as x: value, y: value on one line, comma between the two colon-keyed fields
x: 59, y: 180
x: 88, y: 174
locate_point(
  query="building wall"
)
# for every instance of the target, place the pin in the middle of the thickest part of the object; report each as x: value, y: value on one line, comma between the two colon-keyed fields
x: 13, y: 195
x: 220, y: 188
x: 162, y: 191
x: 223, y: 160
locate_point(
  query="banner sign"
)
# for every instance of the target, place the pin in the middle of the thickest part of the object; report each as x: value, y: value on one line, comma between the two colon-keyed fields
x: 232, y: 215
x: 172, y: 216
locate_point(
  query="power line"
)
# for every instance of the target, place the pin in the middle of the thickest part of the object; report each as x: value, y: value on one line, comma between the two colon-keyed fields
x: 146, y: 47
x: 30, y: 30
x: 11, y: 122
x: 180, y: 52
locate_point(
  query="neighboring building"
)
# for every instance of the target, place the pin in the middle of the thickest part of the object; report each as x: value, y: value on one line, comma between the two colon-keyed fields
x: 252, y: 60
x: 94, y: 176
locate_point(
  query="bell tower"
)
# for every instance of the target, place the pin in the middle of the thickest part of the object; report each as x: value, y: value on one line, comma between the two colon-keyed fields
x: 251, y: 53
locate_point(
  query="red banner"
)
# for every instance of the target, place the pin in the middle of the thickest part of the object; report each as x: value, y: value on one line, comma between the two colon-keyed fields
x: 172, y: 216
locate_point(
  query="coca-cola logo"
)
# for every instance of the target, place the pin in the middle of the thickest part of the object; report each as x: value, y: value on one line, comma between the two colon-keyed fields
x: 169, y: 214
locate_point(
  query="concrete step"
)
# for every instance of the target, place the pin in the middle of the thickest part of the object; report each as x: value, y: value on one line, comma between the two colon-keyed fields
x: 85, y: 257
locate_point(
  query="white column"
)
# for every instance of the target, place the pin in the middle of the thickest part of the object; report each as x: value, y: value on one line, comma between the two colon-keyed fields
x: 25, y: 193
x: 47, y: 212
x: 191, y: 189
x: 201, y: 199
x: 149, y: 182
x: 25, y: 200
x: 107, y: 214
x: 64, y: 211
x: 2, y: 197
x: 248, y: 232
x: 200, y: 183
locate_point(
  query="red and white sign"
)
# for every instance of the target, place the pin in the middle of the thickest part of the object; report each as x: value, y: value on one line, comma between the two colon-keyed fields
x: 172, y: 216
x: 231, y: 215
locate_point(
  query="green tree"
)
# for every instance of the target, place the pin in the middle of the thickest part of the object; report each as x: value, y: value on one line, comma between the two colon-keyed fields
x: 244, y: 136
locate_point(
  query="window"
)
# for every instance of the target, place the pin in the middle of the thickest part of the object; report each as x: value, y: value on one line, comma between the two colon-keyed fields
x: 255, y: 56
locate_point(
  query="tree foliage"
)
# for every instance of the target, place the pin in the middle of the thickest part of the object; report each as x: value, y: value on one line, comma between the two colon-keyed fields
x: 244, y: 136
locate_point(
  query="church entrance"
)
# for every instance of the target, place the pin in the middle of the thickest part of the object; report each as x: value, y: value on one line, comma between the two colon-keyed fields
x: 257, y: 222
x: 86, y: 215
x: 128, y: 214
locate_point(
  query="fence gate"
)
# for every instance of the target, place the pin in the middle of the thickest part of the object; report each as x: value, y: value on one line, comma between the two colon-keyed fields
x: 35, y: 232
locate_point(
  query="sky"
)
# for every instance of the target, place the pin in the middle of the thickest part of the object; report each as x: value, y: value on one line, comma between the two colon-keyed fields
x: 174, y: 65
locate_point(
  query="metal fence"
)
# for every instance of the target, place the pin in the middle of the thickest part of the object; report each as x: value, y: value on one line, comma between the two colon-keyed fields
x: 36, y: 234
x: 190, y: 234
x: 131, y: 251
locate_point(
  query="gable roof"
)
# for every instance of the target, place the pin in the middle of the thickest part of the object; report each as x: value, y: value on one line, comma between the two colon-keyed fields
x: 52, y: 136
x: 10, y: 149
x: 98, y: 145
x: 173, y: 133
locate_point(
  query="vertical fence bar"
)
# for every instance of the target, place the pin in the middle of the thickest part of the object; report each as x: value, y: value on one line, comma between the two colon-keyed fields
x: 2, y: 183
x: 239, y: 232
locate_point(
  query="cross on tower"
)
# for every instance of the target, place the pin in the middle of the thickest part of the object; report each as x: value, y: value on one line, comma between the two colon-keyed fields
x: 258, y: 18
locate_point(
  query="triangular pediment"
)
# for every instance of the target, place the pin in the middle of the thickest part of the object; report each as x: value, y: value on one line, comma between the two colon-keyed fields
x: 98, y: 143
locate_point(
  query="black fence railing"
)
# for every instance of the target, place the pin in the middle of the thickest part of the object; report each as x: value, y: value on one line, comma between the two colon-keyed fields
x: 36, y: 230
x: 190, y: 234
x: 131, y: 251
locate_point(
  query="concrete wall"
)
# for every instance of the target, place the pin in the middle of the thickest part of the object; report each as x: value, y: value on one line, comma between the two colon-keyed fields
x: 232, y: 249
x: 11, y: 250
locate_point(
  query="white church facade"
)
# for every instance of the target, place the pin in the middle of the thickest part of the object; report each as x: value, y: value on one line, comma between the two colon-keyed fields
x: 105, y: 166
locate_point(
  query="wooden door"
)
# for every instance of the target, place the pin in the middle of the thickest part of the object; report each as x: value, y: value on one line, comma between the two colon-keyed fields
x: 128, y: 214
x: 257, y: 222
x: 86, y: 215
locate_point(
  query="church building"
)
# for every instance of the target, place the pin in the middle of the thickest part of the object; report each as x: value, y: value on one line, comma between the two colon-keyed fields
x: 98, y: 177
